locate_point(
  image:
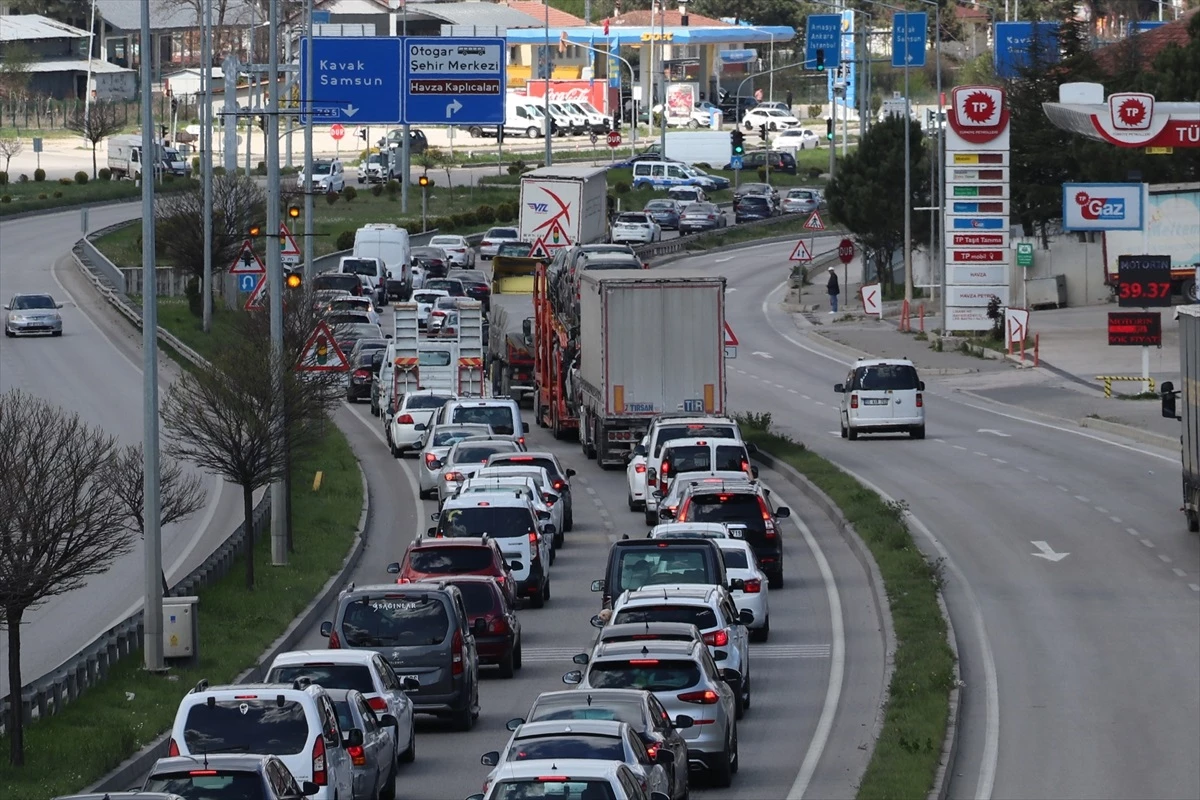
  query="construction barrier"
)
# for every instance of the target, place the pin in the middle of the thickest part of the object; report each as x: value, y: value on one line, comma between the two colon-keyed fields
x: 1108, y: 382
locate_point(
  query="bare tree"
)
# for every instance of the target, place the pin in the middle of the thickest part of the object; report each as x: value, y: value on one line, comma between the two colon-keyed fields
x: 96, y: 123
x: 60, y: 519
x: 232, y: 419
x: 180, y: 494
x: 15, y: 72
x: 237, y: 203
x: 10, y: 146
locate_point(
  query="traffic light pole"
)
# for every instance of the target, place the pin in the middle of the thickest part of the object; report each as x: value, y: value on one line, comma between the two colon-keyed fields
x: 206, y: 161
x: 306, y: 105
x: 279, y: 489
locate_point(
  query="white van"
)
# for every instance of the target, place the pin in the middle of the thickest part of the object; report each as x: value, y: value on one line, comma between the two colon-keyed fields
x: 372, y: 272
x: 596, y: 121
x: 523, y: 116
x: 570, y: 121
x: 882, y: 395
x: 389, y: 244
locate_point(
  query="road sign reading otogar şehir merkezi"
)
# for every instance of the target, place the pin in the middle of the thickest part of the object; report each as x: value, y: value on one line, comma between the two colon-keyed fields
x: 454, y: 81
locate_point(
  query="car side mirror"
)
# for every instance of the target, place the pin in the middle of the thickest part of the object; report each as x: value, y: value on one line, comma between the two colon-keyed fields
x: 420, y: 426
x: 783, y: 512
x: 490, y: 758
x: 921, y: 385
x: 839, y: 388
x: 728, y: 675
x: 754, y: 472
x: 514, y: 723
x: 410, y: 684
x: 525, y: 427
x: 326, y: 629
x: 431, y: 531
x: 543, y: 515
x: 640, y: 450
x: 683, y: 721
x: 549, y: 529
x: 308, y: 789
x: 435, y: 464
x: 1169, y: 408
x: 388, y: 721
x: 570, y: 472
x: 435, y: 516
x: 657, y: 494
x: 573, y: 678
x: 720, y: 655
x: 666, y: 513
x: 598, y: 586
x: 516, y: 566
x: 664, y: 756
x: 580, y: 658
x: 354, y: 738
x: 58, y: 305
x: 737, y: 585
x: 597, y: 621
x: 746, y: 616
x: 393, y: 568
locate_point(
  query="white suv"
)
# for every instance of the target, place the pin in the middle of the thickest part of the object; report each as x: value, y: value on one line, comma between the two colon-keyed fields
x: 296, y: 722
x: 663, y: 429
x: 882, y: 395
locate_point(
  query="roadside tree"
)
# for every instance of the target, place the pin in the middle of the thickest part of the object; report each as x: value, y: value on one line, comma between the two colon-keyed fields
x: 97, y: 122
x: 10, y: 148
x: 61, y: 519
x: 15, y: 71
x: 179, y: 228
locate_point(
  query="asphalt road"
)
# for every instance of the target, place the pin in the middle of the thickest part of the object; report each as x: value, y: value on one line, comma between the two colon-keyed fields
x: 94, y: 370
x: 817, y: 683
x: 1081, y: 673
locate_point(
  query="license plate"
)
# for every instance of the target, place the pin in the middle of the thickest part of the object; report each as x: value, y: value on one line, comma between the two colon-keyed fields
x: 416, y: 678
x: 871, y: 401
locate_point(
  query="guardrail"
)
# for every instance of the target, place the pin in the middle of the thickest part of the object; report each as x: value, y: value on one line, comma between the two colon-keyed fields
x: 49, y: 693
x: 680, y: 243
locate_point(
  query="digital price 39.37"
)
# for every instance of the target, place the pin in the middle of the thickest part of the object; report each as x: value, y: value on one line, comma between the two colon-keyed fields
x: 1143, y: 281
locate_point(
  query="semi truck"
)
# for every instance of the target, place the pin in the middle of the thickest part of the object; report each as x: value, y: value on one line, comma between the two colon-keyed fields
x: 510, y: 348
x: 563, y: 206
x: 1183, y: 404
x: 628, y: 321
x: 1172, y: 217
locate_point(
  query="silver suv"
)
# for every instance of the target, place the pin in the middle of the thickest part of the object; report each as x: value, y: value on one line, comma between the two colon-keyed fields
x: 685, y: 679
x: 422, y: 630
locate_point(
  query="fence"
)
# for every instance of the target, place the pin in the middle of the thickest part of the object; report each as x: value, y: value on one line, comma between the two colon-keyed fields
x: 36, y: 114
x: 49, y: 693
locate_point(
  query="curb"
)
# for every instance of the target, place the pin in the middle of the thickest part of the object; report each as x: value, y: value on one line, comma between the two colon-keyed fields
x: 45, y: 212
x: 121, y: 778
x: 941, y: 778
x: 863, y: 554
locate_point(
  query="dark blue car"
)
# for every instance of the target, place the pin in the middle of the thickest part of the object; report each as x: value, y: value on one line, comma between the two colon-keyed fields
x: 748, y: 208
x: 665, y: 212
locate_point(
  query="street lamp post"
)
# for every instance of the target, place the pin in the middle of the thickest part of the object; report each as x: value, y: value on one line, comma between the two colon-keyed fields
x: 662, y: 76
x: 610, y: 54
x: 548, y: 127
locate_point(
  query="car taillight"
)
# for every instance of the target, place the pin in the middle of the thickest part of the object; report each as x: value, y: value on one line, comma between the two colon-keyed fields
x: 320, y: 777
x: 664, y: 472
x: 533, y: 547
x: 652, y: 750
x: 639, y: 468
x: 560, y: 485
x: 753, y: 586
x: 717, y: 638
x: 854, y: 401
x: 172, y: 749
x: 456, y: 654
x: 362, y: 373
x: 706, y: 697
x: 497, y: 625
x: 768, y: 520
x: 405, y: 419
x: 548, y: 498
x: 429, y: 459
x: 454, y: 476
x: 357, y: 757
x: 920, y: 400
x: 377, y: 703
x: 334, y: 642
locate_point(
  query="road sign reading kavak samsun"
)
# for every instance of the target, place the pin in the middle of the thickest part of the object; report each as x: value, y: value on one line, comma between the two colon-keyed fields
x: 355, y: 79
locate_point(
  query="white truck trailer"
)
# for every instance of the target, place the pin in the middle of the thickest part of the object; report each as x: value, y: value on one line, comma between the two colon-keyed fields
x: 647, y: 346
x: 1183, y: 404
x: 563, y: 206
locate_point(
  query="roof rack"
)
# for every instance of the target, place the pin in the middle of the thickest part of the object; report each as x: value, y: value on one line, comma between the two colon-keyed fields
x: 201, y: 685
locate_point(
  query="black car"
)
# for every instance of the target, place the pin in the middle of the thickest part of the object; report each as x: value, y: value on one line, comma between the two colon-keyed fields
x: 476, y: 287
x: 344, y: 281
x: 364, y: 363
x: 752, y: 207
x: 778, y: 161
x: 747, y: 507
x: 261, y: 777
x: 632, y: 561
x: 433, y: 260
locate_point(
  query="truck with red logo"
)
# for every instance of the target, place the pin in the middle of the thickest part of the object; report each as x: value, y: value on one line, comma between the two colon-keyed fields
x: 563, y: 206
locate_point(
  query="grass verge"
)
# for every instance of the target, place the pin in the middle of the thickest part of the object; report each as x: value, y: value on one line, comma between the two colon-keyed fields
x: 130, y: 708
x: 906, y: 756
x: 46, y: 195
x: 792, y: 223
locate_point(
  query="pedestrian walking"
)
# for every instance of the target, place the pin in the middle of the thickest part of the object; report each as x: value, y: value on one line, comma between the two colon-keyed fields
x: 833, y: 289
x: 789, y: 100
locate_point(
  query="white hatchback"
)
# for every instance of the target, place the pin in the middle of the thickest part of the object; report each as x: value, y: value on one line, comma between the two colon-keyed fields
x: 426, y: 299
x: 740, y: 562
x: 882, y: 395
x: 635, y: 476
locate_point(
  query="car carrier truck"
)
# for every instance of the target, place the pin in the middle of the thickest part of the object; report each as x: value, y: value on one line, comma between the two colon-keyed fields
x: 1183, y: 404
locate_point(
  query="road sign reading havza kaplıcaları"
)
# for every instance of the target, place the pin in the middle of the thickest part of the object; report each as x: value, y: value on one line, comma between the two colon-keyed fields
x: 454, y: 81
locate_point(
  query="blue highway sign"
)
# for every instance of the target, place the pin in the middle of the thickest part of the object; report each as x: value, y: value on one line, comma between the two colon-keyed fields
x: 824, y: 33
x: 356, y: 79
x: 908, y: 39
x: 1022, y: 45
x: 246, y: 283
x: 454, y: 81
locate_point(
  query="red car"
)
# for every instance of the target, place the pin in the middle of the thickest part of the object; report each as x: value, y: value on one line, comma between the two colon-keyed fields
x: 484, y: 599
x: 434, y: 558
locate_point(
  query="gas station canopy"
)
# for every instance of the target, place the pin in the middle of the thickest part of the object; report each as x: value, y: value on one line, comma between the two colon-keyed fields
x: 1125, y: 119
x: 621, y: 36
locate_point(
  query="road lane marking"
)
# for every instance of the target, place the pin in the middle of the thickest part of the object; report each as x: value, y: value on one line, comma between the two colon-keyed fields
x: 959, y: 447
x: 1024, y: 469
x: 981, y: 455
x: 1061, y: 488
x: 1195, y: 587
x: 1102, y: 509
x: 1132, y: 531
x: 1082, y: 499
x: 1178, y: 572
x: 1148, y: 543
x: 1164, y: 559
x: 999, y: 460
x: 1116, y: 520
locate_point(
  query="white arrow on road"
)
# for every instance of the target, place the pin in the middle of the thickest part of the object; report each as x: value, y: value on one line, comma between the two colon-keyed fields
x: 1047, y: 552
x: 452, y: 107
x: 994, y: 433
x: 722, y: 261
x: 351, y: 111
x: 761, y: 354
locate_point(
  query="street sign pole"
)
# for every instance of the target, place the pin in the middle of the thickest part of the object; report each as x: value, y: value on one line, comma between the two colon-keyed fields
x: 279, y: 488
x: 306, y: 104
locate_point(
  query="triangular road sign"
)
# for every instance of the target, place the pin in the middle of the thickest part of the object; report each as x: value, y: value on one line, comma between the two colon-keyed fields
x: 801, y: 253
x: 289, y: 251
x: 730, y: 339
x: 814, y: 222
x: 258, y: 298
x: 247, y: 261
x: 321, y: 352
x: 539, y: 249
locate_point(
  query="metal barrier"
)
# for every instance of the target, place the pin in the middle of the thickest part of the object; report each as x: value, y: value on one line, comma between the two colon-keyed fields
x: 49, y: 693
x: 108, y: 270
x: 1108, y: 382
x: 680, y: 243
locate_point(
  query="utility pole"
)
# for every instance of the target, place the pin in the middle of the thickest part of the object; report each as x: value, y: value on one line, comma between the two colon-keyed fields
x: 306, y: 107
x: 229, y: 113
x: 279, y: 489
x: 405, y: 150
x: 152, y: 624
x: 549, y: 156
x: 908, y: 276
x: 206, y: 159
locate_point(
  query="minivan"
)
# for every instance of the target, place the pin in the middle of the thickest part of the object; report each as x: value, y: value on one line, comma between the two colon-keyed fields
x: 662, y: 174
x: 388, y: 243
x: 502, y: 413
x: 371, y: 269
x: 882, y: 395
x: 634, y: 563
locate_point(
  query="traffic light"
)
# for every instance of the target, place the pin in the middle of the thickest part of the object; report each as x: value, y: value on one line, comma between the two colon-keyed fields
x: 829, y: 128
x: 762, y: 131
x: 293, y: 280
x: 423, y: 182
x: 616, y: 120
x: 255, y: 230
x: 362, y: 134
x: 174, y: 104
x: 738, y: 140
x: 262, y: 122
x: 293, y: 211
x: 820, y: 59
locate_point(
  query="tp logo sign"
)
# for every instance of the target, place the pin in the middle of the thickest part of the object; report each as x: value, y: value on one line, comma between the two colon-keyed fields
x: 1108, y: 209
x: 1102, y: 206
x: 978, y: 114
x: 1131, y: 111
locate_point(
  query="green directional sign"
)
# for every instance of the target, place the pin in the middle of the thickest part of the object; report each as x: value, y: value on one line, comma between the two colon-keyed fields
x: 1024, y: 254
x: 966, y: 191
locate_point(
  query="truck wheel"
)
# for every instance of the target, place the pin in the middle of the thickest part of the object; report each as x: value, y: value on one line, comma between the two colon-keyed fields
x: 1193, y: 521
x: 1189, y: 291
x: 531, y: 132
x: 475, y: 131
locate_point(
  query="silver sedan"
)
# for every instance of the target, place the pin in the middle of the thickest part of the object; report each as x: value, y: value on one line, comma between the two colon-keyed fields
x: 374, y: 757
x: 435, y: 445
x: 32, y: 313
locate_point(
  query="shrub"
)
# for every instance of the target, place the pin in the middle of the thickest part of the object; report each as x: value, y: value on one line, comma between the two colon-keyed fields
x: 261, y: 169
x: 331, y: 197
x: 23, y: 179
x: 350, y: 193
x: 516, y: 167
x: 814, y: 111
x: 762, y: 174
x: 345, y: 240
x: 814, y: 173
x: 3, y: 178
x: 377, y: 189
x: 105, y: 174
x: 413, y: 228
x: 194, y: 295
x: 42, y: 196
x: 57, y: 195
x: 393, y: 188
x: 168, y: 178
x: 486, y: 215
x: 621, y: 187
x: 5, y: 198
x: 702, y: 165
x: 467, y: 219
x: 218, y: 170
x: 506, y: 212
x: 81, y: 177
x: 39, y: 174
x: 442, y: 223
x: 195, y: 169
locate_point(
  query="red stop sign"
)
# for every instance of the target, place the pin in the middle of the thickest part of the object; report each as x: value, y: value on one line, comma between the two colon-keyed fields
x: 337, y: 131
x: 614, y: 138
x: 846, y: 251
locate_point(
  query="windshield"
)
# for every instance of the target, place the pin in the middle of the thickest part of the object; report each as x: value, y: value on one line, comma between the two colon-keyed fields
x: 669, y: 432
x: 362, y: 330
x: 478, y: 597
x: 578, y: 745
x: 451, y: 287
x: 589, y: 264
x: 337, y: 281
x: 740, y: 508
x: 330, y: 676
x: 450, y: 560
x: 660, y: 205
x: 501, y: 233
x: 534, y: 789
x: 502, y: 522
x: 698, y: 458
x: 701, y: 208
x: 467, y: 452
x: 322, y: 167
x: 499, y: 417
x: 445, y: 437
x: 523, y: 460
x: 444, y: 241
x: 700, y: 616
x: 635, y: 219
x: 233, y: 785
x: 661, y: 566
x: 886, y: 377
x: 426, y: 297
x: 651, y: 674
x: 350, y: 304
x: 605, y: 708
x: 433, y: 358
x: 395, y: 620
x: 256, y: 724
x: 426, y: 401
x: 516, y: 249
x: 752, y: 200
x: 360, y: 266
x: 31, y: 301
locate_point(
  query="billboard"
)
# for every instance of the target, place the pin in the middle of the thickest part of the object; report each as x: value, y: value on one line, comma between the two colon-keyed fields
x: 594, y: 92
x: 1102, y: 206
